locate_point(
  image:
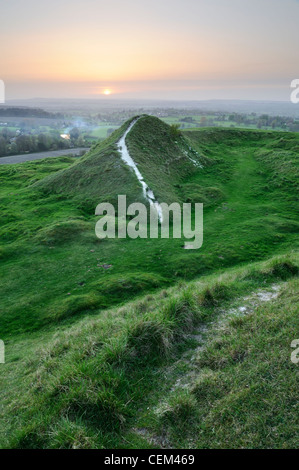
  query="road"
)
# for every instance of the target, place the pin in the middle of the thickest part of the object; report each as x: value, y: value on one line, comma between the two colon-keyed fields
x: 37, y: 156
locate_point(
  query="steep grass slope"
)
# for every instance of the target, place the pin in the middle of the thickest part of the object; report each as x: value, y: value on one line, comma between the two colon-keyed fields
x: 126, y: 378
x: 164, y: 157
x: 97, y: 177
x: 101, y: 175
x: 54, y: 268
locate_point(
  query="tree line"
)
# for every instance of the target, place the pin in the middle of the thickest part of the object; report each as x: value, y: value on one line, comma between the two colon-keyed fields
x: 12, y: 143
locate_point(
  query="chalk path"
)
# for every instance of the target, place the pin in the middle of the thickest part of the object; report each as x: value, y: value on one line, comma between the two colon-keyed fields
x: 126, y: 157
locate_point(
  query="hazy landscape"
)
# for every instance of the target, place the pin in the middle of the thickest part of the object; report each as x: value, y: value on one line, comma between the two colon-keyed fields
x: 32, y: 126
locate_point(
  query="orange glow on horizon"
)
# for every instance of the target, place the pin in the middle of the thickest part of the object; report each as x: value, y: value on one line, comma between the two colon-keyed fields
x: 139, y: 51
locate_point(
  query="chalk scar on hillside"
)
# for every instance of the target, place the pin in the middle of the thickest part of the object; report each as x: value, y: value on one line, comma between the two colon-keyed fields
x: 126, y: 157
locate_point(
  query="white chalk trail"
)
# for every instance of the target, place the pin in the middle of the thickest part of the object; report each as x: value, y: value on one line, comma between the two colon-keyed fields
x: 126, y: 157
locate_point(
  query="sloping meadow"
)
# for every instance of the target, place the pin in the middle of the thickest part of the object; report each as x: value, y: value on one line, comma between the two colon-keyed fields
x: 86, y: 386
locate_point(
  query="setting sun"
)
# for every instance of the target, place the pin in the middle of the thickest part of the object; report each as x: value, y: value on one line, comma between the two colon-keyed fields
x: 107, y: 92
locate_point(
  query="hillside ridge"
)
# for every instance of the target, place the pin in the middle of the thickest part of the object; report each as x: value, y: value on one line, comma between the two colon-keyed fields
x: 101, y: 174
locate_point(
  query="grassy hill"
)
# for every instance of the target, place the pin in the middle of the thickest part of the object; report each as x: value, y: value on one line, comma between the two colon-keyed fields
x: 162, y: 156
x: 91, y: 326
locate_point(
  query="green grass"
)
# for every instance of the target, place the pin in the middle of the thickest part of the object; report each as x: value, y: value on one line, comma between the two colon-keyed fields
x: 47, y: 221
x: 90, y: 325
x: 101, y: 131
x: 95, y: 383
x: 242, y: 389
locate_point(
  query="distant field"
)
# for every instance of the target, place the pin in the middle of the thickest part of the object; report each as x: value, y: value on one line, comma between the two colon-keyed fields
x: 9, y: 128
x: 227, y: 124
x: 101, y: 131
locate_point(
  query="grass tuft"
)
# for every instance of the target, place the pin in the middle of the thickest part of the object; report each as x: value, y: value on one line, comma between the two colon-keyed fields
x: 181, y: 409
x: 150, y: 340
x: 182, y: 311
x: 283, y: 270
x: 212, y: 296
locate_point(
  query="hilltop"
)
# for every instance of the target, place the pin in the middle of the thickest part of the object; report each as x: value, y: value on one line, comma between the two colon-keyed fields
x: 161, y: 153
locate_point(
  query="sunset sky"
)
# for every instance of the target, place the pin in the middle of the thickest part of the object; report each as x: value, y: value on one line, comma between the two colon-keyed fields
x: 165, y: 49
